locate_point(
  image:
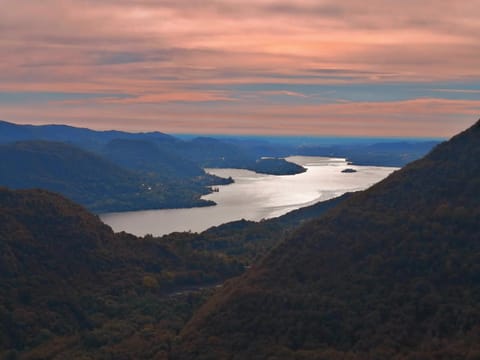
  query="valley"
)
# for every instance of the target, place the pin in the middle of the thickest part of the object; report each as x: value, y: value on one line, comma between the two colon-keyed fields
x: 239, y: 180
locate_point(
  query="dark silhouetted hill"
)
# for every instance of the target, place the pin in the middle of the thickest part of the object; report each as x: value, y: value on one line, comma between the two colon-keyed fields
x: 70, y: 287
x: 92, y: 180
x: 391, y: 273
x: 62, y: 168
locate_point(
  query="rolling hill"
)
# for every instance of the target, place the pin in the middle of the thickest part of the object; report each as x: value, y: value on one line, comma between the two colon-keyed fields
x: 93, y: 181
x: 70, y: 287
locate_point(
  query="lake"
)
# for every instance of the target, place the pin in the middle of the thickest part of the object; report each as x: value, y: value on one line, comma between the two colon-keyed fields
x: 254, y: 196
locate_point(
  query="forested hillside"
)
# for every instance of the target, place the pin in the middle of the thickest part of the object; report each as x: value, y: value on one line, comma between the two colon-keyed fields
x: 70, y: 286
x: 391, y: 273
x: 95, y: 182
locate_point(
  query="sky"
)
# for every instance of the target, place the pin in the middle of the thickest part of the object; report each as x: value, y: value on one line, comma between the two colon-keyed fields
x: 305, y: 67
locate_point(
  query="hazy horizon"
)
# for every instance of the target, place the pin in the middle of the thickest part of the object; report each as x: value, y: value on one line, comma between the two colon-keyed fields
x: 326, y: 139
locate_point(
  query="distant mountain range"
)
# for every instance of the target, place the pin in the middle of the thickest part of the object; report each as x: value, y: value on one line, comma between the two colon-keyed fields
x: 154, y: 151
x: 223, y: 152
x: 10, y: 132
x: 390, y: 273
x: 118, y: 171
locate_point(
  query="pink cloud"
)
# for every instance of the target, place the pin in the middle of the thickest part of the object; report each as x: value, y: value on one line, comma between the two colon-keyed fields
x: 162, y: 55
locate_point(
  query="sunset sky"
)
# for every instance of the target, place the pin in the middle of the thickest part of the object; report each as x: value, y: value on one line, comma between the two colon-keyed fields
x: 324, y: 67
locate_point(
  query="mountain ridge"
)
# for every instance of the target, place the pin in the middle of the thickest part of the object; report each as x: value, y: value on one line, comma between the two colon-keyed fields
x: 14, y: 132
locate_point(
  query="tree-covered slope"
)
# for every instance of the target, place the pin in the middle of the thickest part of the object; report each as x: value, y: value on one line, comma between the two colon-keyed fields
x: 70, y: 287
x: 62, y: 168
x: 91, y: 180
x: 391, y: 273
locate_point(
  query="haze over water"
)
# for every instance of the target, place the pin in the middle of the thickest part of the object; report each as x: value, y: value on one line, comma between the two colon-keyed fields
x: 254, y: 197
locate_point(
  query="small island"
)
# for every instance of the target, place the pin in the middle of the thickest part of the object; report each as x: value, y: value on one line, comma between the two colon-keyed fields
x: 349, y: 171
x: 276, y: 166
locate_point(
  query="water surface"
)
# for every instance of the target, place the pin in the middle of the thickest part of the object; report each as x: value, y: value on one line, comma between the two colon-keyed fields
x: 254, y: 196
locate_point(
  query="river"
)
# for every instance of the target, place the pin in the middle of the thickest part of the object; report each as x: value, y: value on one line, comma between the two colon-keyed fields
x: 254, y: 196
